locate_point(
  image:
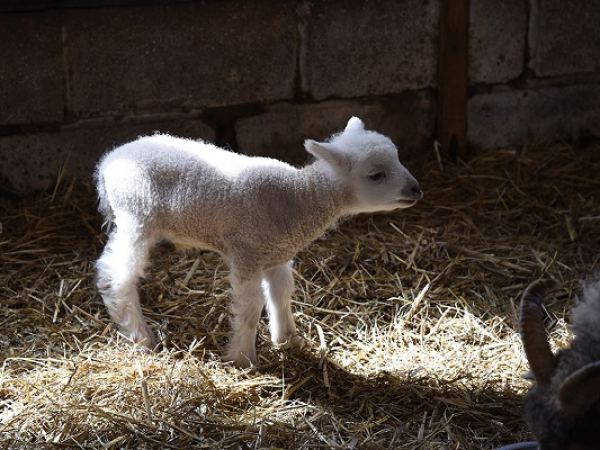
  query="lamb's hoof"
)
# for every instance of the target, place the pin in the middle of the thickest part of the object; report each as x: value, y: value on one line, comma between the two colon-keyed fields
x: 294, y: 342
x: 143, y: 342
x: 239, y: 360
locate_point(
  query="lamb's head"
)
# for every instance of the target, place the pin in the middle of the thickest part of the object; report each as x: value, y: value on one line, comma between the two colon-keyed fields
x: 367, y: 163
x: 562, y: 409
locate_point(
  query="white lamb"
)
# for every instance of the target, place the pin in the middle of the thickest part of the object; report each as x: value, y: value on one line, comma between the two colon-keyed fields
x: 257, y: 212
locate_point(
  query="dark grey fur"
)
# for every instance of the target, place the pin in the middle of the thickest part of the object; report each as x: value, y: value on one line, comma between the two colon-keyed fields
x: 562, y: 408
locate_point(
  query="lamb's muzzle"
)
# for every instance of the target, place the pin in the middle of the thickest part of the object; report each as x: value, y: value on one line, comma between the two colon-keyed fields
x: 416, y: 194
x: 257, y: 212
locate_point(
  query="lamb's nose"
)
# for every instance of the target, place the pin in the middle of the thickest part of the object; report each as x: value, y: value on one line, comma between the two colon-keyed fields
x: 417, y: 192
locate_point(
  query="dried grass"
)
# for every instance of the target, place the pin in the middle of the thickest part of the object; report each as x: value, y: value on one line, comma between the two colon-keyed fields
x: 411, y: 317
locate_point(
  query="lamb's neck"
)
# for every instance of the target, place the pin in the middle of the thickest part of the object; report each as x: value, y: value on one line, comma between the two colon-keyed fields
x: 323, y: 198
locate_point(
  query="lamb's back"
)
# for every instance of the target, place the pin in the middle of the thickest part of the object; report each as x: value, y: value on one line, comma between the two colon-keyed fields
x: 174, y: 171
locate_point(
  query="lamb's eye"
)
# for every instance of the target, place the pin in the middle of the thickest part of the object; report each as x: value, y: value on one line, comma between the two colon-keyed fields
x: 377, y: 176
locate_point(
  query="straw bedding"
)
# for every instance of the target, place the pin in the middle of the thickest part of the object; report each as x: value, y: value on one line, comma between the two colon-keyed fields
x: 411, y: 318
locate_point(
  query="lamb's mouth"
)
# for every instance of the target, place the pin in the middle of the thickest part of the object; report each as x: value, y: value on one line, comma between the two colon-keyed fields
x: 404, y: 203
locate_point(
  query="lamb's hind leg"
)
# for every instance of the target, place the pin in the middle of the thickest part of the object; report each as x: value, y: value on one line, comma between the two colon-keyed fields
x: 246, y: 307
x: 278, y: 286
x: 119, y: 268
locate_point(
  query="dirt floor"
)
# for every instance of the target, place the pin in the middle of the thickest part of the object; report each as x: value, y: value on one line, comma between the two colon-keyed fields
x: 410, y: 316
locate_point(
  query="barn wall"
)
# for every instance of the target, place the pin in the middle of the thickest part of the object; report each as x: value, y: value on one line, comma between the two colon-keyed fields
x: 534, y: 72
x: 261, y: 76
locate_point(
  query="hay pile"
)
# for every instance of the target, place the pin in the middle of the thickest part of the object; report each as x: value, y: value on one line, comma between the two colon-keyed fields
x: 411, y: 316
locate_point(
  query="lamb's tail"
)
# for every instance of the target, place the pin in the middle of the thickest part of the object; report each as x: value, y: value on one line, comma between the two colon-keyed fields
x: 103, y: 203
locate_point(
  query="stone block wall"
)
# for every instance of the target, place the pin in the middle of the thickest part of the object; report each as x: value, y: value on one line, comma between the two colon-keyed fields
x: 262, y: 76
x: 534, y: 72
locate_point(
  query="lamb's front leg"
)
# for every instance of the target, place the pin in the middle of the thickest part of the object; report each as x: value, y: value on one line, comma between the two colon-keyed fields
x: 278, y: 286
x: 247, y: 304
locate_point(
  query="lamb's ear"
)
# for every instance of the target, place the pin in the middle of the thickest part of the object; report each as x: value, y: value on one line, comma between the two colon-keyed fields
x: 329, y: 153
x: 580, y: 390
x: 355, y: 124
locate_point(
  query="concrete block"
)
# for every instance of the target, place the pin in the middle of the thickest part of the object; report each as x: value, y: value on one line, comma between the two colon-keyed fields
x: 497, y: 40
x: 565, y: 37
x: 408, y: 119
x: 185, y: 55
x: 31, y: 72
x: 355, y: 48
x: 32, y: 162
x: 514, y: 118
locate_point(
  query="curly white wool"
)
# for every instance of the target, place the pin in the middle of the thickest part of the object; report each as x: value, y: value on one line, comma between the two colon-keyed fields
x: 257, y: 212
